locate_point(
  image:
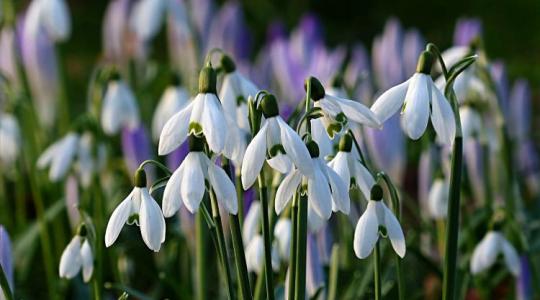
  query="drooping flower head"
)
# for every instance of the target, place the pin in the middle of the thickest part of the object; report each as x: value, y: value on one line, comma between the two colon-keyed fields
x: 119, y: 108
x: 77, y: 256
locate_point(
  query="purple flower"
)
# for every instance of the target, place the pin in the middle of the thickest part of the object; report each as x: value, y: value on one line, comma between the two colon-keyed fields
x: 467, y: 29
x: 6, y: 258
x: 498, y: 73
x: 201, y: 12
x: 357, y: 74
x: 314, y: 270
x: 473, y: 153
x: 413, y: 45
x: 520, y: 110
x: 387, y: 56
x: 524, y: 285
x: 529, y: 165
x: 175, y: 158
x: 136, y: 147
x: 115, y: 31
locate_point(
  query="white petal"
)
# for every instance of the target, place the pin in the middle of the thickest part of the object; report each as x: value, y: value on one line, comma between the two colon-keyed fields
x: 173, y: 100
x: 329, y: 106
x: 229, y: 94
x: 286, y: 190
x: 340, y: 195
x: 47, y: 156
x: 390, y: 101
x: 315, y: 222
x: 251, y: 222
x: 282, y: 232
x: 172, y: 200
x: 214, y: 124
x: 152, y: 221
x: 320, y: 135
x: 511, y: 257
x: 438, y: 199
x: 118, y: 218
x: 70, y: 262
x: 358, y: 112
x: 395, y: 234
x: 255, y: 254
x: 223, y: 187
x: 417, y: 100
x: 442, y: 117
x: 56, y: 19
x: 254, y: 158
x: 366, y: 233
x: 63, y: 157
x: 363, y: 177
x: 295, y: 148
x: 175, y: 131
x: 147, y: 18
x: 485, y: 253
x: 280, y: 163
x: 87, y: 261
x: 192, y: 189
x: 340, y: 165
x: 319, y: 194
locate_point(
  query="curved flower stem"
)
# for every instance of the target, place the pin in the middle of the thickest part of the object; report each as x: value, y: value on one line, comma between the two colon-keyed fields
x: 300, y: 284
x: 377, y: 271
x: 435, y: 50
x: 156, y: 163
x: 360, y: 153
x: 221, y: 243
x: 267, y: 236
x: 294, y: 245
x: 6, y: 289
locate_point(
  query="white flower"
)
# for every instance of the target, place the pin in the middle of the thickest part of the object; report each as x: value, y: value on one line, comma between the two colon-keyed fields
x: 438, y: 199
x: 88, y: 164
x: 10, y: 139
x: 347, y: 165
x: 203, y: 115
x: 56, y: 19
x: 367, y: 230
x: 140, y: 208
x: 173, y: 100
x: 59, y: 156
x: 187, y: 184
x: 421, y: 99
x: 277, y: 141
x: 471, y: 122
x: 326, y: 191
x: 255, y: 255
x: 251, y: 221
x: 119, y: 108
x: 147, y: 17
x: 77, y: 256
x: 282, y: 234
x: 486, y: 252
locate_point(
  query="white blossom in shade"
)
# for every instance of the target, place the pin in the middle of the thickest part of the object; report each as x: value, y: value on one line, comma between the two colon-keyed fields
x: 90, y: 158
x: 187, y: 184
x: 325, y: 190
x: 55, y: 18
x: 10, y: 139
x: 147, y: 18
x: 255, y: 255
x: 277, y: 143
x: 59, y: 156
x: 438, y: 199
x: 251, y: 221
x: 419, y: 99
x: 471, y: 122
x: 8, y: 55
x: 139, y: 208
x: 77, y: 256
x: 282, y: 234
x: 377, y: 215
x: 347, y: 165
x: 119, y: 108
x: 486, y: 252
x: 173, y: 100
x: 204, y: 115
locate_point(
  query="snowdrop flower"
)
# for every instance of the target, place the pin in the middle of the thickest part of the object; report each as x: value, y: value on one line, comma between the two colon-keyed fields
x: 59, y: 156
x: 255, y: 255
x: 10, y: 139
x: 325, y: 190
x: 147, y: 17
x: 173, y: 100
x: 282, y: 233
x: 277, y: 143
x: 348, y: 166
x: 337, y: 111
x: 471, y: 122
x: 369, y: 225
x: 486, y: 252
x: 420, y: 99
x: 119, y: 108
x: 77, y: 256
x: 51, y: 15
x: 204, y: 115
x: 187, y: 183
x: 141, y: 209
x: 438, y: 199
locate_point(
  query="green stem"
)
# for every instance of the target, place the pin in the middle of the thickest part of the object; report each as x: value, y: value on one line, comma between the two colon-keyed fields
x: 6, y: 289
x: 294, y: 245
x: 221, y: 244
x: 99, y: 224
x: 156, y: 163
x: 240, y: 257
x: 377, y: 271
x: 301, y: 244
x: 200, y: 258
x: 267, y: 236
x: 334, y: 273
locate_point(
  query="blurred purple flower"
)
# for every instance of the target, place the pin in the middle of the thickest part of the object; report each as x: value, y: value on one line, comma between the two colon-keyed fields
x: 472, y: 152
x: 413, y: 45
x: 524, y: 285
x: 387, y: 55
x: 467, y: 29
x: 6, y: 258
x: 115, y: 31
x: 357, y: 75
x: 498, y: 73
x: 520, y: 110
x: 201, y: 13
x: 136, y: 148
x: 529, y: 165
x: 324, y: 243
x: 177, y: 156
x: 314, y: 268
x: 9, y: 55
x: 71, y: 190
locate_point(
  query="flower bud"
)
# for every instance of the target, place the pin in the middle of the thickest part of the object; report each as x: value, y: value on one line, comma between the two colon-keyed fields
x: 140, y: 178
x: 425, y: 61
x: 317, y: 90
x: 207, y: 80
x: 269, y: 106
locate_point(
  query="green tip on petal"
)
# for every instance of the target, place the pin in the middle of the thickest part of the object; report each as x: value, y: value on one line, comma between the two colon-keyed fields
x: 425, y: 61
x: 208, y: 80
x: 376, y: 193
x: 317, y: 89
x: 82, y: 231
x: 345, y: 143
x: 269, y: 106
x: 227, y: 64
x: 140, y: 178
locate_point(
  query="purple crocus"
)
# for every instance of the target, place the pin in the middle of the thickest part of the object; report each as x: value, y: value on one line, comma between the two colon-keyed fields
x: 387, y: 56
x: 520, y: 111
x: 136, y: 147
x: 498, y: 73
x: 314, y: 268
x: 358, y: 74
x: 524, y: 288
x: 413, y: 45
x: 115, y: 31
x: 467, y: 29
x: 6, y: 258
